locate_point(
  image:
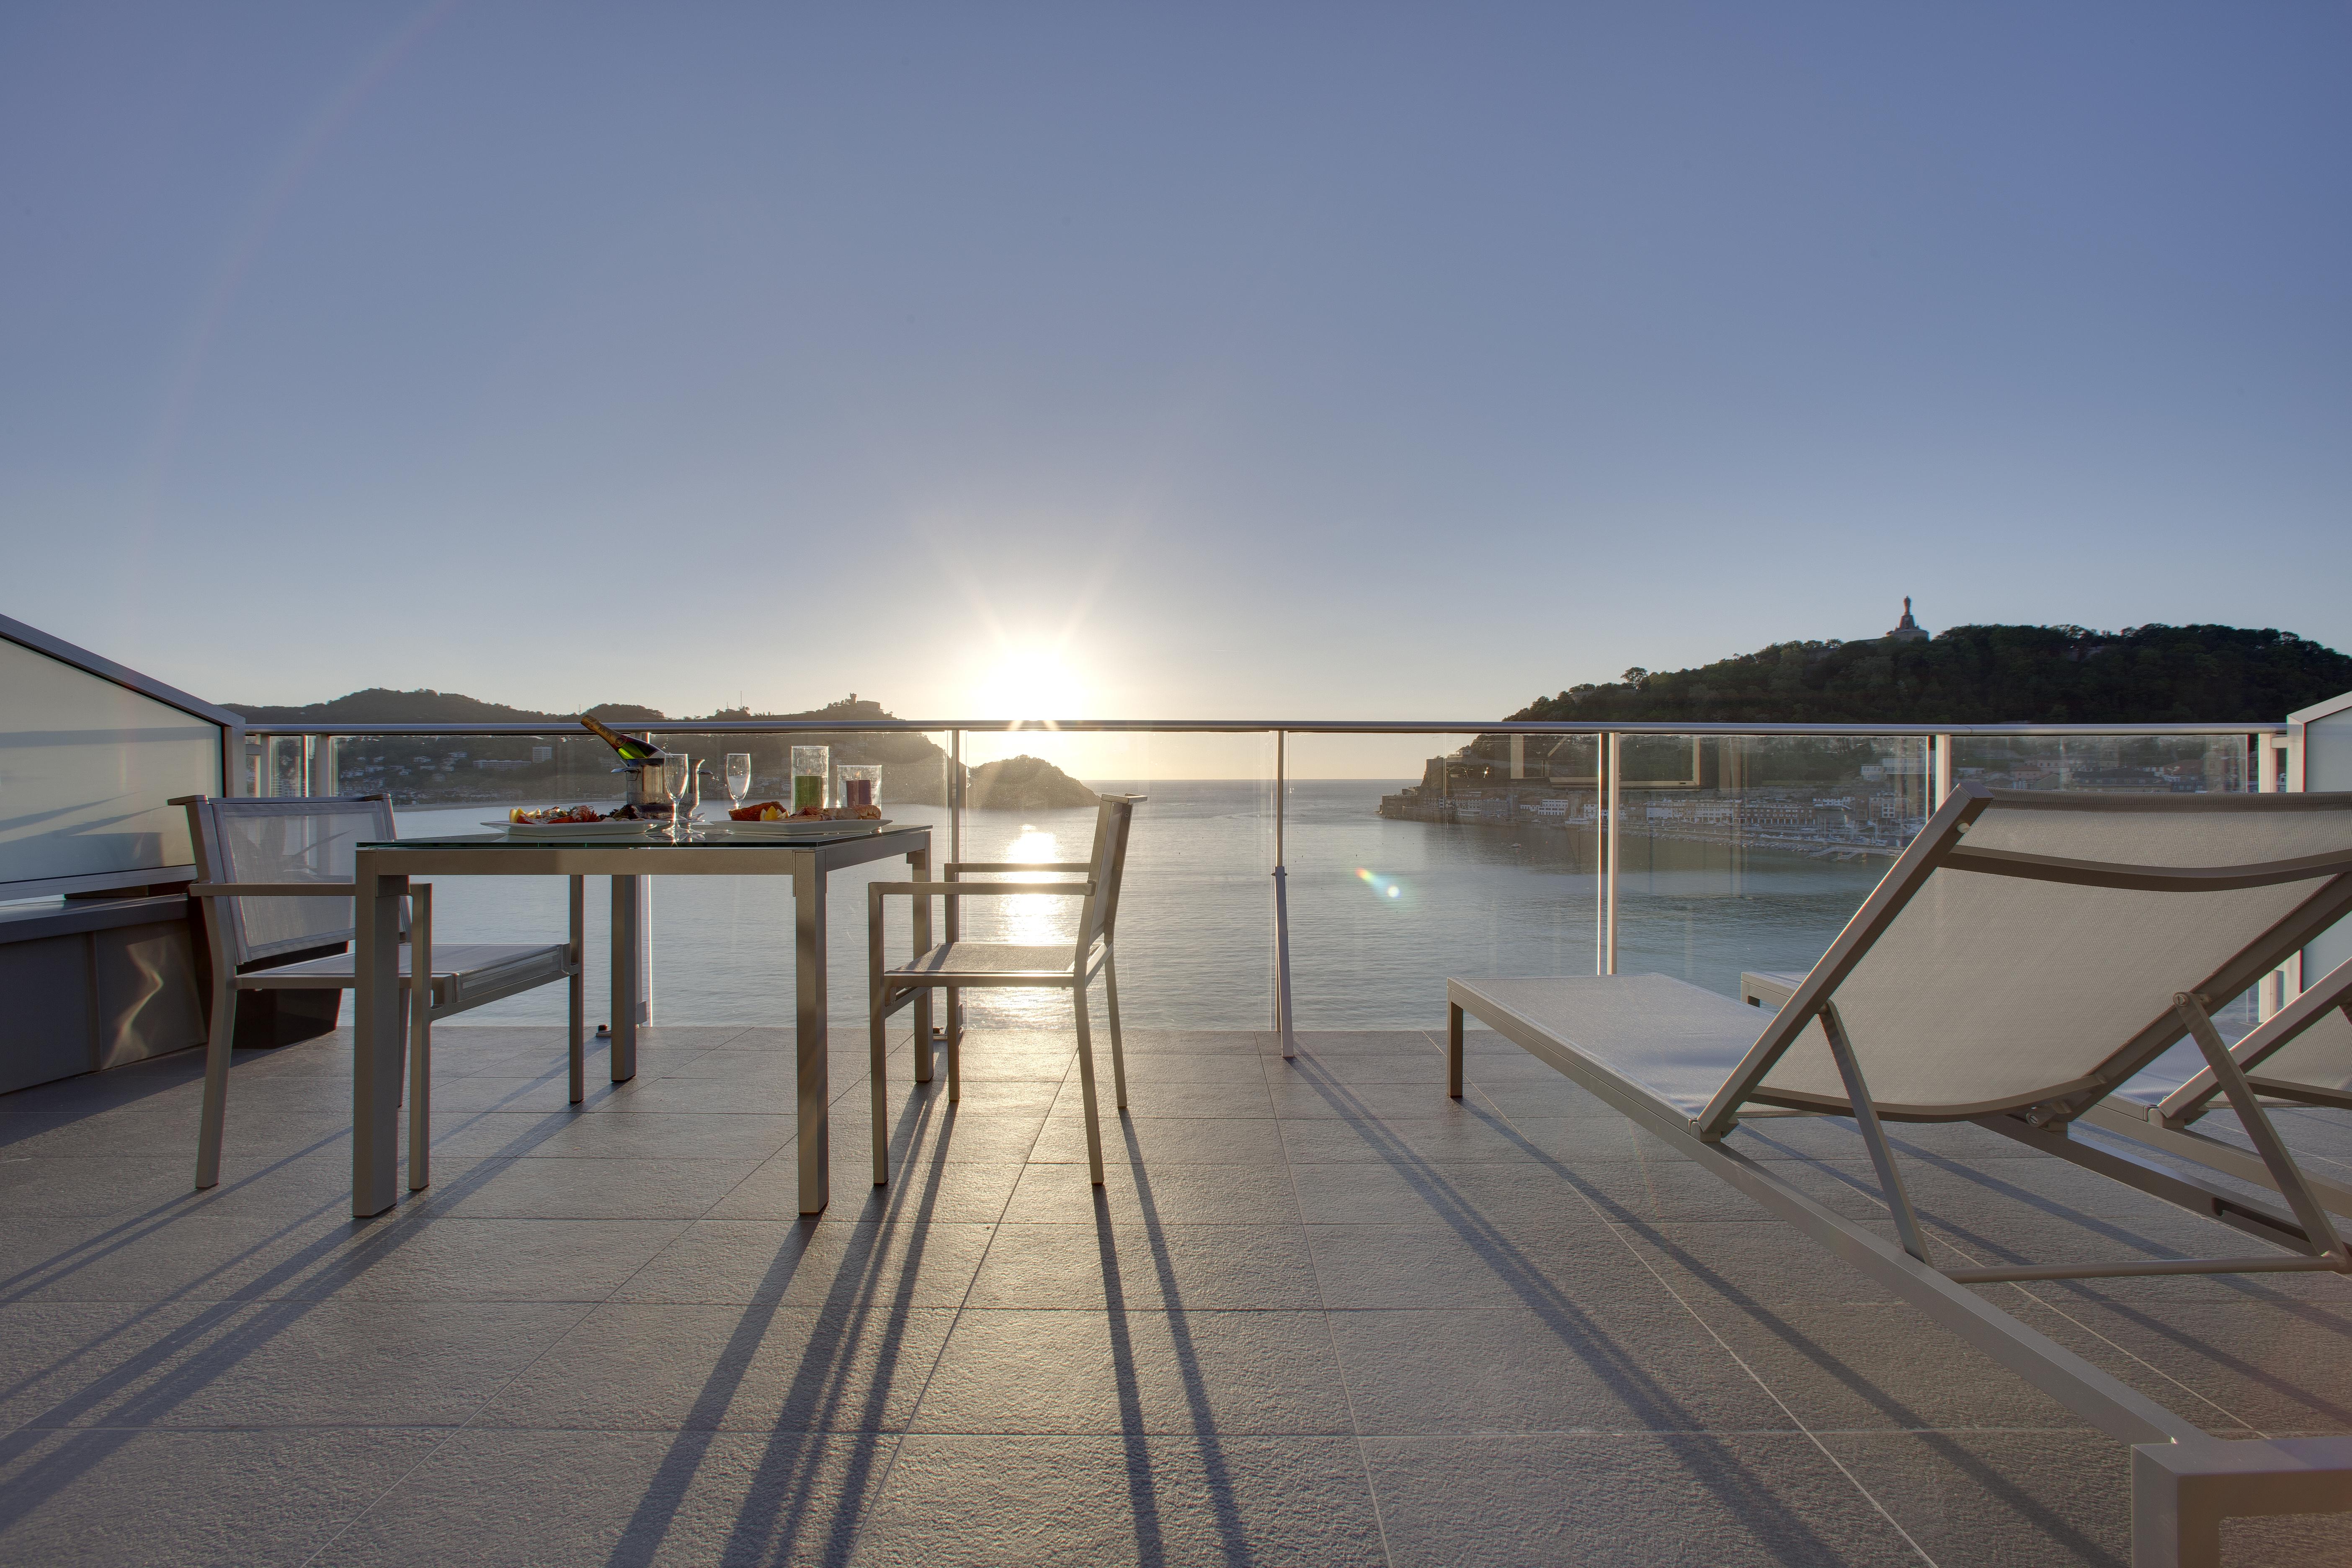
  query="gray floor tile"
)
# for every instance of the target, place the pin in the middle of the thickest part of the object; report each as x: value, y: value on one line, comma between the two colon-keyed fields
x: 1999, y: 1497
x: 1115, y: 1500
x: 1404, y: 1142
x: 934, y: 1187
x: 757, y: 1366
x: 1600, y: 1502
x: 823, y: 1263
x: 1246, y: 1096
x: 190, y: 1500
x: 1564, y: 1367
x: 1195, y: 1372
x: 1154, y: 1194
x: 667, y: 1188
x: 1876, y: 1366
x: 275, y: 1364
x: 657, y: 1135
x: 435, y: 1259
x: 1184, y: 1140
x: 1176, y: 1268
x: 640, y: 1500
x: 1384, y: 1266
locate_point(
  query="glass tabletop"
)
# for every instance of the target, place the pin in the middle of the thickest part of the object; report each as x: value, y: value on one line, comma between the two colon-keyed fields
x: 656, y: 839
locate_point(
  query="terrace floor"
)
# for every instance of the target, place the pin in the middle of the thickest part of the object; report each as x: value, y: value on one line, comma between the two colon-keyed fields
x: 1318, y: 1315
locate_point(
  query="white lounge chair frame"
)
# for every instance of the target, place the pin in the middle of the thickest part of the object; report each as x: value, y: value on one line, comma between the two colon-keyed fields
x: 955, y: 964
x: 466, y: 977
x: 2184, y: 1482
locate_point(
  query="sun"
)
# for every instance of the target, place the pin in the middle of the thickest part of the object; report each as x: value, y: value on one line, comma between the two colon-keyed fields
x: 1031, y: 683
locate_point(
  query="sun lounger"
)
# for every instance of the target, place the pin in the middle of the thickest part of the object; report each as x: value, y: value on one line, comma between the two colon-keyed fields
x: 2301, y: 1055
x: 2027, y: 957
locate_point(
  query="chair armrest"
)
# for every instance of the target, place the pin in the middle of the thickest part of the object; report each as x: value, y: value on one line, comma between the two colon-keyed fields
x: 272, y: 889
x: 1065, y: 867
x: 958, y: 889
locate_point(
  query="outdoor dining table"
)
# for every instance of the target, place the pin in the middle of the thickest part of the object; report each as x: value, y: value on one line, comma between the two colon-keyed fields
x: 382, y: 880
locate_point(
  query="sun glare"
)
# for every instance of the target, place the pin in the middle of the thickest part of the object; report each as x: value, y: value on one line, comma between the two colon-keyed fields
x: 1031, y: 683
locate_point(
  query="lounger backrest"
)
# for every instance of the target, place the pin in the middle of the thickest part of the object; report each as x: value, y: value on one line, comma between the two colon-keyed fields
x: 1988, y: 991
x: 2321, y: 1056
x: 312, y: 839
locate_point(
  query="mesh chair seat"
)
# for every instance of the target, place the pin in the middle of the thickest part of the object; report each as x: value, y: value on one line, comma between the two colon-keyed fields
x: 978, y: 962
x: 461, y: 972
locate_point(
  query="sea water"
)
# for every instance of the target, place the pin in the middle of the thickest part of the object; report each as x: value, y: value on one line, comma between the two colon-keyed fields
x: 1381, y: 913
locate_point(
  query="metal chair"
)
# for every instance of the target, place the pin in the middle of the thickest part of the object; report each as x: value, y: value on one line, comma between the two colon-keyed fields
x: 276, y: 885
x: 954, y: 964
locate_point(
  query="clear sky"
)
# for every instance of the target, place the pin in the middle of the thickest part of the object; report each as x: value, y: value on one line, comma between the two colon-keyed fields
x: 1299, y: 361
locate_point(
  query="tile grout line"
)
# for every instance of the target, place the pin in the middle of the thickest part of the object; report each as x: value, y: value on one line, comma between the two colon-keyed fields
x: 1769, y: 1392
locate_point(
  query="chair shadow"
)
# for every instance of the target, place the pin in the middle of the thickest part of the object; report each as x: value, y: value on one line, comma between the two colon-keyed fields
x: 1142, y: 1492
x: 223, y: 1332
x: 788, y: 1490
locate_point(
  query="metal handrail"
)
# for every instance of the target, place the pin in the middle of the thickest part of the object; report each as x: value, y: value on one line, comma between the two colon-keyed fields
x: 256, y: 728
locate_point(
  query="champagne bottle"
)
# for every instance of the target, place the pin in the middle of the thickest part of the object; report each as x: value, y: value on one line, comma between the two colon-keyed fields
x: 632, y: 750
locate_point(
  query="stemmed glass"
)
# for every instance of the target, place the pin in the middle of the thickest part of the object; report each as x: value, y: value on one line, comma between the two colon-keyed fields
x: 678, y: 781
x: 739, y: 777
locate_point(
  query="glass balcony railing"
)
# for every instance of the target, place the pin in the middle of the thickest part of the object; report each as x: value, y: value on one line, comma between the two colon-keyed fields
x: 1407, y: 852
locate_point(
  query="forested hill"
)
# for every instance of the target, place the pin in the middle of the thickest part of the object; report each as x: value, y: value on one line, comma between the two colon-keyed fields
x: 1983, y: 675
x: 381, y: 705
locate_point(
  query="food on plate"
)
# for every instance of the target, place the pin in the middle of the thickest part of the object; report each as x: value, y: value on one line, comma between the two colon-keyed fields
x: 776, y: 811
x: 556, y: 813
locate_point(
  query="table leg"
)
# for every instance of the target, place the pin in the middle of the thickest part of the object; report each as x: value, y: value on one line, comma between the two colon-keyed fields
x: 625, y: 907
x: 808, y: 1031
x: 376, y: 1045
x: 579, y: 989
x: 920, y: 865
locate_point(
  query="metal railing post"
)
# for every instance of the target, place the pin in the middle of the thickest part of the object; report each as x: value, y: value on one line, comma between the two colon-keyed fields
x: 1615, y: 771
x: 1943, y: 774
x: 1282, y: 1020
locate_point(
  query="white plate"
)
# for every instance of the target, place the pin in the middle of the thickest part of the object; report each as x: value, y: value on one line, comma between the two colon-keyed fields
x: 623, y: 829
x: 730, y: 829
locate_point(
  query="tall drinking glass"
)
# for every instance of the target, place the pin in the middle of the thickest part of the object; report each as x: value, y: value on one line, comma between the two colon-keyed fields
x: 739, y: 777
x: 811, y: 769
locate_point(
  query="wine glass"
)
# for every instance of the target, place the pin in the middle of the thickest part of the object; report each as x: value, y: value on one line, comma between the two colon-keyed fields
x: 678, y: 778
x: 739, y: 777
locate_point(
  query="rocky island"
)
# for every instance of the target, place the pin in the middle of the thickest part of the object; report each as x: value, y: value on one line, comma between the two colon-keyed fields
x: 1024, y: 783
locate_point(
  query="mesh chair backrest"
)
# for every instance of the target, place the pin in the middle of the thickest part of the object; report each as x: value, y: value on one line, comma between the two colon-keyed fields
x: 297, y: 840
x: 1991, y: 992
x: 1107, y: 865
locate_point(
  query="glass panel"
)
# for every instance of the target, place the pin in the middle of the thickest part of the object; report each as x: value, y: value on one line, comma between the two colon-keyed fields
x: 87, y: 769
x: 2134, y: 764
x: 1740, y: 853
x: 1195, y: 918
x: 1411, y: 858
